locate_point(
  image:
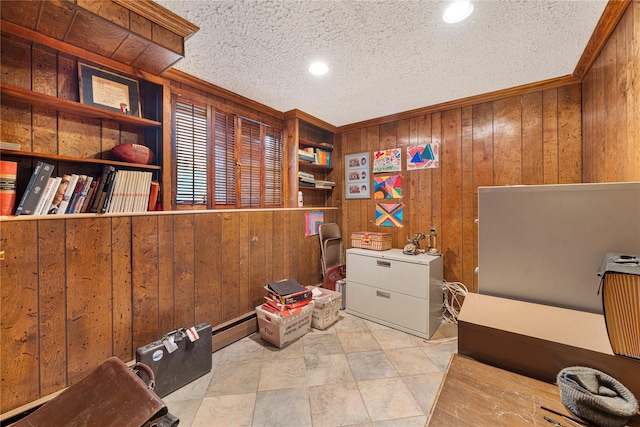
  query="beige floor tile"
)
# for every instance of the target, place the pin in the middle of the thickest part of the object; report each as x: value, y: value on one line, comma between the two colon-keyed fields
x: 282, y: 408
x: 234, y: 410
x: 411, y: 361
x: 354, y: 342
x: 241, y: 351
x: 440, y: 353
x: 293, y: 350
x: 330, y: 369
x: 185, y: 410
x: 424, y: 388
x: 392, y: 338
x: 418, y: 421
x: 278, y: 375
x: 371, y: 365
x: 235, y: 378
x: 388, y: 398
x: 350, y: 323
x: 337, y: 405
x: 321, y: 345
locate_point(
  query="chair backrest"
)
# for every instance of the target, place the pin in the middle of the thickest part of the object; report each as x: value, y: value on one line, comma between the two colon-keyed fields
x: 329, y: 231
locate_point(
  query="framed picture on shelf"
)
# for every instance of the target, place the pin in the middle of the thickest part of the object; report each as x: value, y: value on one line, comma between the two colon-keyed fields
x: 108, y: 90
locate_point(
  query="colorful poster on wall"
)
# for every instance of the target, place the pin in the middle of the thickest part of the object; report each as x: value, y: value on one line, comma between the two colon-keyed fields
x: 387, y: 160
x: 312, y: 223
x: 357, y: 179
x: 423, y: 156
x: 390, y: 214
x: 387, y: 187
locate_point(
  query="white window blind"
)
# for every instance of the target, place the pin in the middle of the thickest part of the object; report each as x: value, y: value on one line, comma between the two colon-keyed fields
x: 191, y: 154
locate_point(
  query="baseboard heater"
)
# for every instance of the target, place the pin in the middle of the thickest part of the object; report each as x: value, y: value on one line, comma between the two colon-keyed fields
x: 234, y: 330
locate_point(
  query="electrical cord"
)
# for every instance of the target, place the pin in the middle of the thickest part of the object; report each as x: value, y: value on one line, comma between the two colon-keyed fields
x: 454, y: 293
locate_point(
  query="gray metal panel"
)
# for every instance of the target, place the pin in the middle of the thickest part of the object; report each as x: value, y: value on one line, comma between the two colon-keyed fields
x: 544, y: 243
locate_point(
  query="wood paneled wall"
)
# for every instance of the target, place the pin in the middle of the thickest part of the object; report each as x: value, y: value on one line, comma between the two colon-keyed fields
x: 76, y: 291
x: 611, y: 106
x: 529, y: 139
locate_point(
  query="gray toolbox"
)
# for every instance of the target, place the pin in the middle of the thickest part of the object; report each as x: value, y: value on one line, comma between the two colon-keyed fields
x: 176, y: 360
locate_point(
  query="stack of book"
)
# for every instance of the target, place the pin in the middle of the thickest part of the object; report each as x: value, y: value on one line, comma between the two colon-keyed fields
x: 306, y: 154
x: 286, y: 298
x: 306, y: 179
x: 325, y: 184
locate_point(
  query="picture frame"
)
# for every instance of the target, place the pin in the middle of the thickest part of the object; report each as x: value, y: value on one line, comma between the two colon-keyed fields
x: 105, y: 89
x: 357, y: 176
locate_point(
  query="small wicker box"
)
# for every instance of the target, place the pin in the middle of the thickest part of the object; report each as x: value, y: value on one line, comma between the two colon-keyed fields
x: 370, y: 240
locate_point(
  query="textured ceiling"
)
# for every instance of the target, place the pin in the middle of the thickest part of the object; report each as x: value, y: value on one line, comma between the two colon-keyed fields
x: 385, y: 57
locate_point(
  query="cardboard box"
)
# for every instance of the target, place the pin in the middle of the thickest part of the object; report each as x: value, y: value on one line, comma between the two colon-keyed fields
x: 326, y: 308
x: 281, y: 331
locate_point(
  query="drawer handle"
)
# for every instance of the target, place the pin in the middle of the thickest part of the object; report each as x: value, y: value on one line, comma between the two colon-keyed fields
x: 386, y: 295
x: 383, y: 263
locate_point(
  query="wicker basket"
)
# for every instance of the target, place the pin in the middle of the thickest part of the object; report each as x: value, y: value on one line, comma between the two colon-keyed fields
x: 373, y: 241
x: 621, y: 301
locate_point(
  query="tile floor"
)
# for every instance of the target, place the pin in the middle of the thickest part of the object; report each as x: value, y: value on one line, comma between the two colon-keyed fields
x: 355, y: 373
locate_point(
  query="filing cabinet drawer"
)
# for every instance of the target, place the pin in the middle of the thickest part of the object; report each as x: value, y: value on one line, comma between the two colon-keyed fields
x: 391, y: 274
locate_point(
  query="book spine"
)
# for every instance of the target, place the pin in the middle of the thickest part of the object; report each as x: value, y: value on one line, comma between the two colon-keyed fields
x: 76, y: 194
x: 100, y: 188
x: 47, y: 197
x: 86, y: 207
x: 37, y: 189
x: 8, y: 176
x: 83, y: 195
x: 68, y: 193
x: 59, y: 195
x: 108, y: 191
x: 153, y: 195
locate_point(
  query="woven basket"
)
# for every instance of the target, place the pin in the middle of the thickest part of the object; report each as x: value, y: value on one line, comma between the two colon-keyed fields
x: 373, y: 241
x: 621, y: 301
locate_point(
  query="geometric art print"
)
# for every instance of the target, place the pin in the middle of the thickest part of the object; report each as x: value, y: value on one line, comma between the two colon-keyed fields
x: 422, y: 156
x: 390, y: 214
x: 312, y: 221
x: 387, y: 187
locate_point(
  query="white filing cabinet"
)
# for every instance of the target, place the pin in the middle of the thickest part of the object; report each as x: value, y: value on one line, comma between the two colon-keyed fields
x: 401, y: 291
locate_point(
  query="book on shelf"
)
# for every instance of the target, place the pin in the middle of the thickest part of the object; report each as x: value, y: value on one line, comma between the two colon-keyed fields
x: 153, y: 196
x: 76, y: 193
x: 95, y: 204
x: 68, y: 194
x: 59, y: 195
x: 8, y: 176
x: 84, y: 191
x: 10, y: 145
x: 107, y: 192
x: 323, y: 157
x: 47, y: 196
x: 35, y: 188
x: 86, y: 206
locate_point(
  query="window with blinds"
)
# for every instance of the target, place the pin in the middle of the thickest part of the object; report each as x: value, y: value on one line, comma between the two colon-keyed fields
x: 191, y: 154
x: 233, y: 162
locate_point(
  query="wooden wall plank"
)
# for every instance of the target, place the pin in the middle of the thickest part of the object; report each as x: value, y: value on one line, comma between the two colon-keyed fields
x: 121, y: 273
x: 89, y: 327
x: 467, y: 240
x: 44, y: 121
x: 507, y: 128
x: 52, y: 297
x: 532, y: 168
x: 260, y: 232
x: 436, y: 180
x: 231, y: 261
x: 183, y: 270
x: 166, y: 289
x: 569, y: 135
x: 421, y: 198
x: 550, y: 136
x: 451, y: 165
x: 207, y: 269
x: 19, y: 314
x: 145, y: 280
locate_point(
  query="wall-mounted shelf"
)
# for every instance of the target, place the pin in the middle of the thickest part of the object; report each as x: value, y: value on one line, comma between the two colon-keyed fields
x: 16, y: 94
x: 59, y: 158
x: 308, y: 165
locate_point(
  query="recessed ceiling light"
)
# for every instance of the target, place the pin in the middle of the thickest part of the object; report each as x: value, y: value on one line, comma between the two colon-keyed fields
x: 318, y: 68
x: 457, y: 12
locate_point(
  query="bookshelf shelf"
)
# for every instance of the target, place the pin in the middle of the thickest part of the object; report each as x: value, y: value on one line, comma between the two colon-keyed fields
x: 57, y: 157
x: 16, y: 94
